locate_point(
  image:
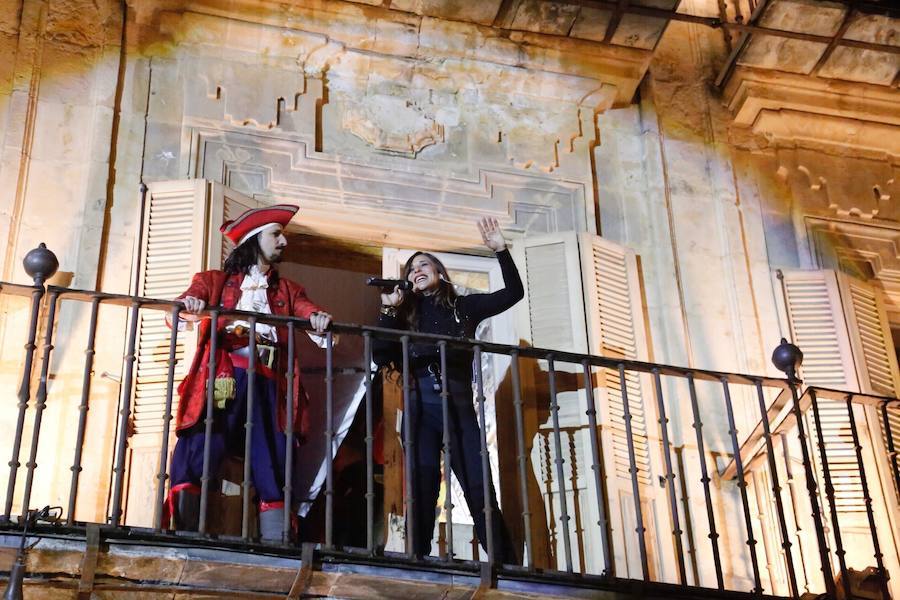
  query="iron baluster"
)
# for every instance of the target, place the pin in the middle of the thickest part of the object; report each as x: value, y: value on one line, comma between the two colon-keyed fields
x: 560, y: 475
x: 633, y: 470
x: 670, y: 477
x: 83, y: 409
x: 705, y: 480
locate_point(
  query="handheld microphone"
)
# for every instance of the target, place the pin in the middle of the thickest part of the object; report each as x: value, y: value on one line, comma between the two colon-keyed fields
x: 389, y: 284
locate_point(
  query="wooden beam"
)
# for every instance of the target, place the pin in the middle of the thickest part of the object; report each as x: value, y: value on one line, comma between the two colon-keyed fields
x: 614, y: 20
x: 845, y: 24
x: 810, y: 37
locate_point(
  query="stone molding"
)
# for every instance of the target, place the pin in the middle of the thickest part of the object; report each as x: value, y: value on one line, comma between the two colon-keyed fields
x: 841, y: 187
x: 794, y: 109
x: 393, y: 125
x: 377, y: 204
x: 865, y: 250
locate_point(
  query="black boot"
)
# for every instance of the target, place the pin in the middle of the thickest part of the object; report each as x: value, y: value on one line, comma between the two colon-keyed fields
x: 187, y: 510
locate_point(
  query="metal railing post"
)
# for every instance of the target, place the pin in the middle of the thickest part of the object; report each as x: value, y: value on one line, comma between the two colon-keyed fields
x: 829, y: 487
x: 83, y: 409
x: 40, y: 401
x: 329, y: 441
x: 598, y: 470
x: 448, y: 458
x: 705, y: 480
x: 633, y: 470
x: 161, y: 476
x: 560, y: 475
x: 742, y: 486
x: 776, y: 492
x: 670, y: 477
x: 125, y: 412
x: 248, y: 431
x: 490, y: 542
x: 521, y: 458
x: 408, y: 453
x: 370, y: 448
x: 288, y: 488
x: 40, y: 264
x: 867, y: 498
x: 208, y: 421
x: 811, y: 488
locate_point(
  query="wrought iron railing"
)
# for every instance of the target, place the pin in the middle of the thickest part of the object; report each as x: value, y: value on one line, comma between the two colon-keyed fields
x: 777, y: 417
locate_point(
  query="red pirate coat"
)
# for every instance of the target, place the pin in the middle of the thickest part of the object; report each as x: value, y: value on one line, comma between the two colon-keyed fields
x: 218, y: 288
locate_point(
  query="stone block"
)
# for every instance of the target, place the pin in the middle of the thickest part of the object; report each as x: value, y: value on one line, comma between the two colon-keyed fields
x: 805, y: 16
x: 394, y: 38
x: 62, y: 132
x: 162, y: 151
x: 66, y: 73
x: 10, y: 14
x: 880, y: 29
x: 200, y: 571
x: 82, y: 22
x: 783, y: 54
x: 482, y: 13
x: 166, y: 103
x: 859, y: 64
x: 591, y: 24
x: 554, y: 18
x: 8, y: 47
x: 637, y: 31
x: 140, y: 563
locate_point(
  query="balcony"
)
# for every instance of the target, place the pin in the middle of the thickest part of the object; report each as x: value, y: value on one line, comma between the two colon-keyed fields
x: 787, y: 512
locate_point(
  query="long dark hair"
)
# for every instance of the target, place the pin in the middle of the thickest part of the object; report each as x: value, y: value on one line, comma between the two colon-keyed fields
x: 243, y: 257
x: 445, y: 295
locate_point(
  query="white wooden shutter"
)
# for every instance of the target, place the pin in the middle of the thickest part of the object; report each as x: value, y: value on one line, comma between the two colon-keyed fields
x: 616, y: 329
x: 552, y: 316
x: 583, y: 295
x: 172, y: 251
x: 551, y: 272
x: 876, y: 365
x: 818, y: 327
x: 840, y: 324
x: 180, y: 237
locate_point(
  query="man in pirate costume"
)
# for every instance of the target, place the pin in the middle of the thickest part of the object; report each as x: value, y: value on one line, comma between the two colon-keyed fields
x: 249, y: 281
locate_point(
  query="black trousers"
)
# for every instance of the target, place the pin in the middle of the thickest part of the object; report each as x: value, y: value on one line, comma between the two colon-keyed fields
x: 465, y: 455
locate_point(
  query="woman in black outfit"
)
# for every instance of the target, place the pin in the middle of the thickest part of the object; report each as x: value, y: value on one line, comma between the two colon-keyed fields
x: 434, y: 307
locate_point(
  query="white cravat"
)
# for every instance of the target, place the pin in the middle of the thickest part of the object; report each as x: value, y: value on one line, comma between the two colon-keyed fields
x: 254, y: 297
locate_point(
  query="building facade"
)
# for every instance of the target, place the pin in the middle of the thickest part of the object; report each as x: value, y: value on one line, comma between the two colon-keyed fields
x: 675, y: 192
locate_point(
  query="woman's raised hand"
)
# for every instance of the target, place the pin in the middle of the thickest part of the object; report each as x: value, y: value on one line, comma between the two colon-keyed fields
x: 491, y: 234
x: 394, y: 298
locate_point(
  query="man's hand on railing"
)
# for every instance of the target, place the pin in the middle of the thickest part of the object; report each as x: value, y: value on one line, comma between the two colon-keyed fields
x: 192, y: 306
x: 320, y: 321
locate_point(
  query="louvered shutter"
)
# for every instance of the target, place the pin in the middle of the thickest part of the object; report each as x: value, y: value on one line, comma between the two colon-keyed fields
x: 181, y: 237
x: 818, y: 327
x: 172, y: 250
x: 569, y: 276
x: 552, y: 316
x: 876, y: 365
x: 616, y: 330
x: 841, y: 325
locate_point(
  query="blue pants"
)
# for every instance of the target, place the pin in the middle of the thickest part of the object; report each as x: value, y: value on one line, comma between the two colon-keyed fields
x: 267, y: 442
x: 465, y: 460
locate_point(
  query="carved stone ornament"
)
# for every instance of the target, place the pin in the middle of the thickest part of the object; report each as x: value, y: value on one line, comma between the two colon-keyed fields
x: 392, y: 125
